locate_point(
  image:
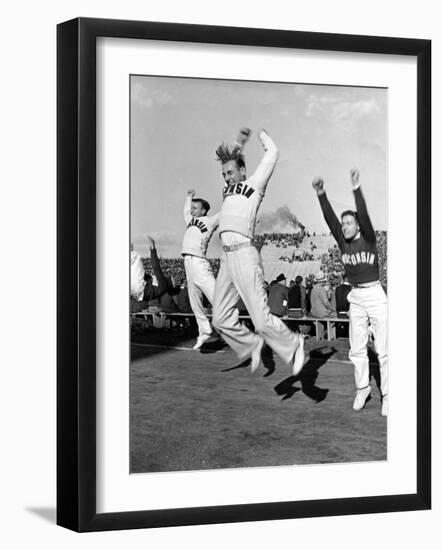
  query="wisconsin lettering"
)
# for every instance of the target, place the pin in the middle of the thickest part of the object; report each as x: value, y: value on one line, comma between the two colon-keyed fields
x: 240, y: 188
x: 199, y: 224
x: 358, y: 258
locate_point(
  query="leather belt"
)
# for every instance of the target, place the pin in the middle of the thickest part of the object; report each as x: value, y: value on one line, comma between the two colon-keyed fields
x: 233, y: 247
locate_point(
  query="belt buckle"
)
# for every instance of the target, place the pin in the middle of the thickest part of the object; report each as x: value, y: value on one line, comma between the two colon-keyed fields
x: 237, y: 246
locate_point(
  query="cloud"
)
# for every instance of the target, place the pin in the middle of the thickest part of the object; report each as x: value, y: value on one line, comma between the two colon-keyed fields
x: 146, y: 97
x: 341, y: 111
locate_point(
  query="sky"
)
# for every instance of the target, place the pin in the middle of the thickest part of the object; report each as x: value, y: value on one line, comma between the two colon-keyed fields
x: 177, y: 124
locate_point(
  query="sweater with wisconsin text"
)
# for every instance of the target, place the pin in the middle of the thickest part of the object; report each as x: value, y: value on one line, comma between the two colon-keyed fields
x: 359, y: 255
x: 242, y: 200
x: 199, y: 231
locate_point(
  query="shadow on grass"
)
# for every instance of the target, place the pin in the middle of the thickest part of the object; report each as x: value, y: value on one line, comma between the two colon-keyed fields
x: 267, y: 361
x: 307, y: 377
x: 242, y: 365
x: 213, y: 345
x: 156, y: 341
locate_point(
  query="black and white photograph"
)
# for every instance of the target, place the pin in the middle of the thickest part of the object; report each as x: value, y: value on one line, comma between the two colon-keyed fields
x: 258, y: 274
x: 222, y: 221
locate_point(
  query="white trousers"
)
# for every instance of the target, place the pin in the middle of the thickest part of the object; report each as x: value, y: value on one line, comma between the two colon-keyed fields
x: 200, y: 280
x: 241, y: 275
x: 368, y: 306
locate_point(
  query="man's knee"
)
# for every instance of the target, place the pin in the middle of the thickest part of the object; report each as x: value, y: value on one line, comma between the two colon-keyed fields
x: 261, y: 323
x: 217, y: 320
x: 382, y: 355
x: 359, y: 353
x: 224, y: 319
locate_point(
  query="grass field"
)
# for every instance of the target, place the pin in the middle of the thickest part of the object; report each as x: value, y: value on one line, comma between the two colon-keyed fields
x: 193, y: 411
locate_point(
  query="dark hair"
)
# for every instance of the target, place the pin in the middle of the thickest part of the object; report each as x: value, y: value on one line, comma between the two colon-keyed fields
x: 298, y: 279
x: 350, y: 213
x: 204, y: 204
x: 225, y: 154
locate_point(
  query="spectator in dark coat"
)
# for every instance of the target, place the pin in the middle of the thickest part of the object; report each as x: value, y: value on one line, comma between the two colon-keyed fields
x: 182, y: 298
x: 297, y: 298
x: 341, y: 292
x: 167, y: 302
x: 278, y: 296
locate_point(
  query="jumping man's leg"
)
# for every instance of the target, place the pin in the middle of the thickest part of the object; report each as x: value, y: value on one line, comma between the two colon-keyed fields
x: 226, y: 317
x: 247, y: 273
x: 358, y: 349
x: 378, y: 319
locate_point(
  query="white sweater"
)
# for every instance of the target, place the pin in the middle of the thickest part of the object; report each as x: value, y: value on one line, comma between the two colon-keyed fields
x: 242, y: 200
x: 199, y: 231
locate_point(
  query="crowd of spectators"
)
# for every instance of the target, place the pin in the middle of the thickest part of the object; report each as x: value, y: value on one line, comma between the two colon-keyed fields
x: 290, y: 240
x: 381, y: 241
x: 306, y: 257
x: 331, y: 266
x: 174, y: 268
x: 331, y: 263
x: 281, y: 240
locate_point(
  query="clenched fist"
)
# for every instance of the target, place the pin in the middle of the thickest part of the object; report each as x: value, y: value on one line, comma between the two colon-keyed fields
x: 354, y: 175
x: 243, y: 136
x: 318, y: 184
x: 191, y: 192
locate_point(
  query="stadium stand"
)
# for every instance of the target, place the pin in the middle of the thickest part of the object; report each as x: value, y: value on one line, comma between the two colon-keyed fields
x: 322, y: 252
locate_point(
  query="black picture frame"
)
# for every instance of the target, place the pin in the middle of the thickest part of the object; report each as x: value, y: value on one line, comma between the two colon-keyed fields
x: 76, y: 273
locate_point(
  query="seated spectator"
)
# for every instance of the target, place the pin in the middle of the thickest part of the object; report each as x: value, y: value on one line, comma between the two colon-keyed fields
x: 319, y: 298
x: 154, y: 304
x: 278, y: 296
x: 167, y: 302
x: 182, y: 298
x: 297, y: 299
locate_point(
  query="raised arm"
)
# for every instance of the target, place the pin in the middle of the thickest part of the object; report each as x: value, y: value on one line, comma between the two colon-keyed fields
x: 268, y: 162
x: 329, y: 215
x: 188, y: 205
x: 151, y: 292
x: 365, y: 225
